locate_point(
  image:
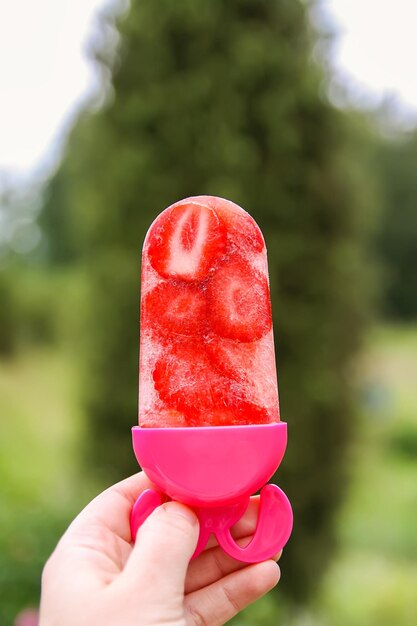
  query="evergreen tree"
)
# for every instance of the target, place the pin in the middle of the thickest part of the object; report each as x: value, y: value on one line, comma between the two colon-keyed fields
x: 8, y: 330
x: 223, y: 98
x: 396, y: 162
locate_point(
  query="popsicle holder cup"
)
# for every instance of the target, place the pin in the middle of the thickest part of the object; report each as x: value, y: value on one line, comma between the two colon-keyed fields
x: 215, y: 470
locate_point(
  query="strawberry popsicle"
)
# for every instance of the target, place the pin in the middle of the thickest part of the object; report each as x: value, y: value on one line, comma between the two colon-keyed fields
x: 206, y: 342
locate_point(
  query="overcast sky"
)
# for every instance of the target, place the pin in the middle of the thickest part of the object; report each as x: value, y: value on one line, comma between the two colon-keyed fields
x: 44, y: 72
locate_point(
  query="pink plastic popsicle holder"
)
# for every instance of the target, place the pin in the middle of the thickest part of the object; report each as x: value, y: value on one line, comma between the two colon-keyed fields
x: 215, y: 470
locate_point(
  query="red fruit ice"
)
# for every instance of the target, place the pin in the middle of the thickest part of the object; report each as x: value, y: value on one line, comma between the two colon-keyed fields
x: 238, y: 300
x: 186, y: 241
x: 186, y: 380
x: 250, y: 365
x: 207, y: 350
x: 232, y: 358
x: 175, y: 309
x: 243, y: 232
x: 169, y: 418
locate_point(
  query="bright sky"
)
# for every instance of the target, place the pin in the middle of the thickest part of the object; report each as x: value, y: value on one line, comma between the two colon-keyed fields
x: 44, y: 72
x: 376, y: 48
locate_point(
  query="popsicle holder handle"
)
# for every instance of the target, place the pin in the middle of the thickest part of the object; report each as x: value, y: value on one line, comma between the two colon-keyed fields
x: 215, y: 470
x: 272, y: 531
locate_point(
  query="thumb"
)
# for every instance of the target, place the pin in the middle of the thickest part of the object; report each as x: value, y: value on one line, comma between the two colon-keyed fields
x: 164, y: 546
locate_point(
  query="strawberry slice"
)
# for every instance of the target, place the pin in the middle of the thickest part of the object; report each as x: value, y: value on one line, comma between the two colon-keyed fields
x: 238, y: 302
x: 188, y: 383
x: 185, y: 241
x: 232, y: 358
x: 252, y: 365
x: 186, y: 380
x: 245, y: 412
x: 175, y: 307
x: 239, y: 413
x: 237, y: 360
x: 242, y: 230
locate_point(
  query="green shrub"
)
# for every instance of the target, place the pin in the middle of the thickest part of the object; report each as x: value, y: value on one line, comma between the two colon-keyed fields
x: 29, y: 534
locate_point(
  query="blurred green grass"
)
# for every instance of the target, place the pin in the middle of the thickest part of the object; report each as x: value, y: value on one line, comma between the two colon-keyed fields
x: 38, y: 426
x: 40, y: 484
x: 372, y: 581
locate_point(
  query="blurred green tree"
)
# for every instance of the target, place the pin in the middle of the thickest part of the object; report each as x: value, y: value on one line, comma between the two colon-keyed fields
x: 224, y: 98
x: 396, y: 164
x: 8, y: 310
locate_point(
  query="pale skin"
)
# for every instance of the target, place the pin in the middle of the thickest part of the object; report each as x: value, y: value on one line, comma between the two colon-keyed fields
x: 96, y: 575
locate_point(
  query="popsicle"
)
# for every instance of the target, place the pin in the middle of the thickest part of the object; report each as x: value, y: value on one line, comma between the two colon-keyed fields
x: 207, y: 360
x: 206, y: 341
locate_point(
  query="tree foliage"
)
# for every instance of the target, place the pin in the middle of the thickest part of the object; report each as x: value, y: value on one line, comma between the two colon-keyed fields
x: 396, y: 241
x: 8, y: 331
x: 223, y: 98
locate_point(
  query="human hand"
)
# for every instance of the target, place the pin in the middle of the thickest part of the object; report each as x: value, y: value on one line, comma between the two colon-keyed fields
x: 96, y: 576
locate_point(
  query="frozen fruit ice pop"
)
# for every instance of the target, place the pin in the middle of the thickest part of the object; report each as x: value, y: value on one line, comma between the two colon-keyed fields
x: 206, y: 343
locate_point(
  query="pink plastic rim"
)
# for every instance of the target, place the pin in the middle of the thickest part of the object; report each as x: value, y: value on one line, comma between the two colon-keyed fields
x: 210, y: 466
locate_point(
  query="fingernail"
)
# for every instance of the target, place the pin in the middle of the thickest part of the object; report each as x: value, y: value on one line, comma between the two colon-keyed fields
x: 184, y: 511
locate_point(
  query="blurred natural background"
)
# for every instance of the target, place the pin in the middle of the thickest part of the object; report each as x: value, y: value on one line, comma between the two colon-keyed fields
x: 249, y: 100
